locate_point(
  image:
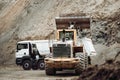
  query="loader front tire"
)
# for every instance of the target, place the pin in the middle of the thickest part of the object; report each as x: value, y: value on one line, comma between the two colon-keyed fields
x: 78, y: 69
x: 50, y: 71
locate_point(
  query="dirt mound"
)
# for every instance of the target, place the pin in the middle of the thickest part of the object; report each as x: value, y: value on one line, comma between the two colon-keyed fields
x: 108, y: 71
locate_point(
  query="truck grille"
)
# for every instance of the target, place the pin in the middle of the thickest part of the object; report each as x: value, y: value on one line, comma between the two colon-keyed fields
x: 61, y: 50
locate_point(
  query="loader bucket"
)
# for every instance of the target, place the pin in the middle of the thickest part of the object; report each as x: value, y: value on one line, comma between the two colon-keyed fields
x: 78, y: 22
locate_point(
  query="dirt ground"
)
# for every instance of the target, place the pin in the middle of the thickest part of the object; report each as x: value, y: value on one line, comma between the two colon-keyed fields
x: 17, y: 73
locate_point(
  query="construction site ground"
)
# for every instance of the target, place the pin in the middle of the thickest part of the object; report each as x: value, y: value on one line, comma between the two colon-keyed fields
x: 107, y: 71
x: 17, y: 73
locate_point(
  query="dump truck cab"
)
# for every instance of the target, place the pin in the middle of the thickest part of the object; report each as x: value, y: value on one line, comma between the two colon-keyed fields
x: 67, y: 52
x: 31, y: 54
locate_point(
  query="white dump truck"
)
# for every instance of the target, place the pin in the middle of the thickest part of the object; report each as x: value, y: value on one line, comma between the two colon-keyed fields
x: 31, y: 54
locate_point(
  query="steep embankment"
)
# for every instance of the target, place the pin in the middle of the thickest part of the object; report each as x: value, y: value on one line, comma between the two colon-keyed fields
x: 10, y: 11
x: 34, y: 19
x: 8, y: 17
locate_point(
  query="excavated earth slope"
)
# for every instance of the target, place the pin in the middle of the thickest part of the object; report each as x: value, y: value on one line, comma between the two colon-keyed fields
x: 108, y: 71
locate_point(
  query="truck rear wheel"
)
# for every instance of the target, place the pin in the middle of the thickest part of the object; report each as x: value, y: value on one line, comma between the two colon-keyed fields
x: 27, y: 65
x: 50, y: 71
x: 41, y: 65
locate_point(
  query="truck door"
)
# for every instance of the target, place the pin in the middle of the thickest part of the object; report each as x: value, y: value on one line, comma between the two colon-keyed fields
x: 22, y: 50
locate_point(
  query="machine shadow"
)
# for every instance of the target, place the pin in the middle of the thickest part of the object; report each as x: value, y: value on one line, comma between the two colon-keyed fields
x: 65, y: 73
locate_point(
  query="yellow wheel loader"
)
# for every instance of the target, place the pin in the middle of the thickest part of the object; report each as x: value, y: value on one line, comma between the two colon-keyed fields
x: 67, y: 49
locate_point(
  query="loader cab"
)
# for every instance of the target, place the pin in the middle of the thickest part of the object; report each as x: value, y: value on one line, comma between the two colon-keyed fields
x: 67, y: 34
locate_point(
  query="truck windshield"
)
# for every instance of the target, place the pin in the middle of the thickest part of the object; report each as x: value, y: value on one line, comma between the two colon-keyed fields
x: 69, y: 35
x: 22, y: 46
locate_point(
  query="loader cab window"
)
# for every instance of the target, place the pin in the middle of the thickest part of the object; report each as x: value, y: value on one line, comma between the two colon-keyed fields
x: 69, y: 35
x: 22, y: 46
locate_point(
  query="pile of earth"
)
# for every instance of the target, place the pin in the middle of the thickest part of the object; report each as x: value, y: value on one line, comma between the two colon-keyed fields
x: 107, y: 71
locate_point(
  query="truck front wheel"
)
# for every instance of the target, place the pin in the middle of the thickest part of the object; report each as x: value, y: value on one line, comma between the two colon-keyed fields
x: 27, y: 65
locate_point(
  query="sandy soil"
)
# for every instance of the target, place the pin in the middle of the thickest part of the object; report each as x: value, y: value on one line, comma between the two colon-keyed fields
x: 17, y: 73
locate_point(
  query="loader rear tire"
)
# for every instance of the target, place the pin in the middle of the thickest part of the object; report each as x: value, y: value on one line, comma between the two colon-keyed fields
x: 50, y: 71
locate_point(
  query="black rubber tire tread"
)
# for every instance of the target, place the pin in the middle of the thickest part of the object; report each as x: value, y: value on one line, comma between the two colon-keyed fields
x: 49, y: 71
x: 84, y: 60
x: 30, y: 65
x: 78, y: 69
x: 39, y: 67
x: 83, y: 64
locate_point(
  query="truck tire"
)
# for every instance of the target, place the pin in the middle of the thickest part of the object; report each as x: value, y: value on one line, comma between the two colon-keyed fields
x: 27, y: 65
x: 41, y: 65
x: 50, y: 71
